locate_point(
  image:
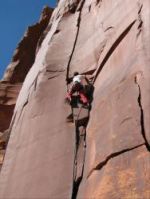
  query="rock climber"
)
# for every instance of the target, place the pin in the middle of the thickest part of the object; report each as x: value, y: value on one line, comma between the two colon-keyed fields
x: 80, y: 83
x: 78, y: 86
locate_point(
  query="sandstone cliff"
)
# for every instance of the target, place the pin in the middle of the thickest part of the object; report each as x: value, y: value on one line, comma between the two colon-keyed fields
x: 105, y: 153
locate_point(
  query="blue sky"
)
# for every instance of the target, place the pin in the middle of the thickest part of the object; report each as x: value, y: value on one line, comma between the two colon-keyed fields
x: 15, y: 17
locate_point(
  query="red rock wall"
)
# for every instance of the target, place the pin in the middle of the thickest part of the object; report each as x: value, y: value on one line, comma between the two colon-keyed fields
x: 108, y: 157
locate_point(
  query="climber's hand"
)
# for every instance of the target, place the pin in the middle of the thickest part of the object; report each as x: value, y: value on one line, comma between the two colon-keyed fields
x: 67, y: 80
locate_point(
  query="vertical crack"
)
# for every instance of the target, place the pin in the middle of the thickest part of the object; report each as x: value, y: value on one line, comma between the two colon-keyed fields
x: 81, y: 122
x: 142, y: 115
x: 76, y: 182
x: 77, y: 179
x: 76, y: 187
x: 76, y: 38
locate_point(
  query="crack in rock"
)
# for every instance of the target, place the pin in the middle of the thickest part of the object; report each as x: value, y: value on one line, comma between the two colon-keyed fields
x: 76, y: 183
x: 139, y: 19
x: 111, y: 27
x: 73, y: 7
x: 112, y: 49
x: 113, y: 155
x: 76, y: 37
x: 77, y: 180
x: 54, y: 73
x: 81, y: 122
x: 142, y: 114
x: 125, y: 120
x: 52, y: 77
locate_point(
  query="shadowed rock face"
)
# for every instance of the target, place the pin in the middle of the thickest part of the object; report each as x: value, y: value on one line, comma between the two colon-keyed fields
x: 16, y: 72
x: 105, y: 153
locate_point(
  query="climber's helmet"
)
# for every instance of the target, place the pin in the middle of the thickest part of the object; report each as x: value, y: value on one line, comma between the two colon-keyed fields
x: 75, y: 74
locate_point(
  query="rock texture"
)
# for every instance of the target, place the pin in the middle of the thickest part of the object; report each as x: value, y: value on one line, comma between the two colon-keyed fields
x: 16, y: 72
x: 105, y: 153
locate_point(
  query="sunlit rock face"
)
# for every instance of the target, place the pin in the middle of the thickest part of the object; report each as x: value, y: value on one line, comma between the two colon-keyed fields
x: 105, y: 153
